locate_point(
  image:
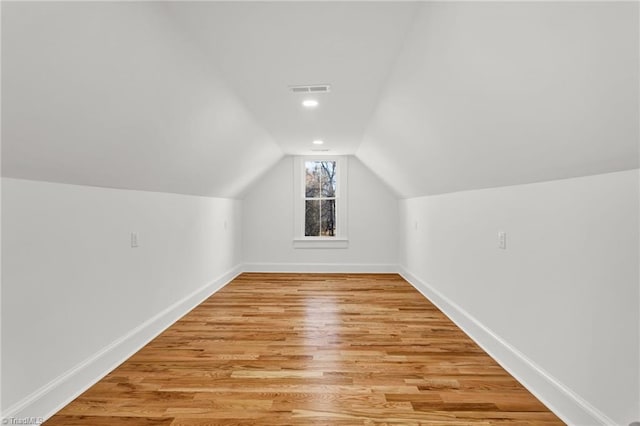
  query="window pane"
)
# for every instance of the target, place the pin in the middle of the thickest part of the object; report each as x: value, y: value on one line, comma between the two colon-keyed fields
x: 328, y: 217
x: 320, y: 179
x: 312, y: 179
x: 328, y: 178
x: 312, y: 218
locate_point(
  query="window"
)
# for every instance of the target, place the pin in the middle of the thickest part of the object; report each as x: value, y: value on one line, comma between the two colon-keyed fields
x: 320, y: 202
x: 320, y: 198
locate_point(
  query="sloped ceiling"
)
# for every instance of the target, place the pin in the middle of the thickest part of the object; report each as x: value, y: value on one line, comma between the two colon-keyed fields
x: 505, y: 93
x: 186, y: 97
x: 434, y: 97
x: 112, y: 94
x: 262, y: 48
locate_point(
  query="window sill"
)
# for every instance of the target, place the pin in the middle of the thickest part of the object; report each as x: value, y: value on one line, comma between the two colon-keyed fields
x: 320, y: 243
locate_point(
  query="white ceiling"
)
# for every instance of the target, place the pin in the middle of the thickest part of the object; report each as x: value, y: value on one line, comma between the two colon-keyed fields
x: 261, y: 48
x: 113, y: 94
x: 191, y: 97
x: 488, y: 94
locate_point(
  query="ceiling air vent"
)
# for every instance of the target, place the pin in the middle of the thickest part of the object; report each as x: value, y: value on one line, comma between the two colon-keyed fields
x: 313, y: 88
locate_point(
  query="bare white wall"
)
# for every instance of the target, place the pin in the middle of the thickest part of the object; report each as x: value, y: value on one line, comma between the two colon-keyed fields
x: 268, y: 225
x: 565, y: 291
x: 72, y: 285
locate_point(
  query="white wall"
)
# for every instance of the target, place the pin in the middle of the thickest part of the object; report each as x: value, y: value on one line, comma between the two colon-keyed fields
x: 268, y: 225
x: 72, y: 285
x: 564, y: 294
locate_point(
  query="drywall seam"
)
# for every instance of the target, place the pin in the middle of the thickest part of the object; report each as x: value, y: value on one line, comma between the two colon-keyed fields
x: 53, y: 396
x: 566, y: 404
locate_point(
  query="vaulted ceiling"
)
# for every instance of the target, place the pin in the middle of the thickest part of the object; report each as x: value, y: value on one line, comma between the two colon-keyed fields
x: 504, y: 93
x: 192, y: 97
x: 261, y: 49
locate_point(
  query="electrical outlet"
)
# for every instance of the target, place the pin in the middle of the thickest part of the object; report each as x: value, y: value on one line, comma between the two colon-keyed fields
x: 134, y: 239
x: 502, y: 240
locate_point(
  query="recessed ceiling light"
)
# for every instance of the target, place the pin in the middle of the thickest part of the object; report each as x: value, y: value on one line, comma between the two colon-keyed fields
x: 309, y: 103
x: 318, y: 142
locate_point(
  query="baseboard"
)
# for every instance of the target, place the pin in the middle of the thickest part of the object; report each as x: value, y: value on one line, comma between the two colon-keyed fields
x: 372, y: 268
x: 567, y: 405
x: 53, y: 396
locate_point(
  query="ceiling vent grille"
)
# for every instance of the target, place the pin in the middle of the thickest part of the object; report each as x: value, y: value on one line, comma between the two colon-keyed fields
x: 313, y: 88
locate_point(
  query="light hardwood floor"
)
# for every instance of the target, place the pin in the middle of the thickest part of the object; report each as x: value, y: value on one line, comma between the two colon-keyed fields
x: 309, y: 349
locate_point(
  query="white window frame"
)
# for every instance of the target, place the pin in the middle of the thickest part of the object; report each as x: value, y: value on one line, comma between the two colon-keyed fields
x: 340, y: 240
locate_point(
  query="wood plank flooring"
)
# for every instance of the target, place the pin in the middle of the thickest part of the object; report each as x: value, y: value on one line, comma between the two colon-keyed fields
x: 309, y: 349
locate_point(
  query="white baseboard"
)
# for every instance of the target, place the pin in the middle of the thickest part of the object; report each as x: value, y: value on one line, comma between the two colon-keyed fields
x: 53, y: 396
x: 356, y: 268
x: 567, y: 405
